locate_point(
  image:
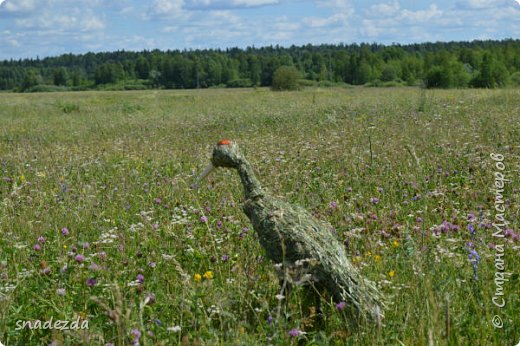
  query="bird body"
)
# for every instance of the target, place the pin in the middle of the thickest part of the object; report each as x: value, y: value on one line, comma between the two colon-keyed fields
x: 289, y: 234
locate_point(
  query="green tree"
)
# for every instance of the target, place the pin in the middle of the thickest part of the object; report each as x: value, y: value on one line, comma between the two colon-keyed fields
x: 59, y: 76
x: 31, y: 78
x: 285, y: 78
x: 142, y: 68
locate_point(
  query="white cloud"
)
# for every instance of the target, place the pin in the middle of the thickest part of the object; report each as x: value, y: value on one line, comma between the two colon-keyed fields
x: 383, y: 9
x: 483, y: 4
x: 319, y: 22
x: 19, y: 5
x: 421, y: 16
x: 223, y: 4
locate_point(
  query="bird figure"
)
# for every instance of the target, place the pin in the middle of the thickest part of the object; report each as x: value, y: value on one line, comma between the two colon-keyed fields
x: 289, y: 234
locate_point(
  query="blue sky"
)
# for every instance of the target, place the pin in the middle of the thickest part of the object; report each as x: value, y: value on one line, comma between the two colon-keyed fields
x: 30, y: 28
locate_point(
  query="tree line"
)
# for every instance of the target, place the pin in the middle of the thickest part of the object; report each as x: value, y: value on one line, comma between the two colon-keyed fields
x: 481, y: 64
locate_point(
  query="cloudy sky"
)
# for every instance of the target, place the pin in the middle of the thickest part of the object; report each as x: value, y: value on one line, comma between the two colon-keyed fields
x: 30, y: 28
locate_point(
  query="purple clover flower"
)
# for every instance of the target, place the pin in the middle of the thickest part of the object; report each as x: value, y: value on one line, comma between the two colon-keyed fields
x: 91, y: 282
x: 295, y: 332
x: 341, y: 306
x: 65, y: 231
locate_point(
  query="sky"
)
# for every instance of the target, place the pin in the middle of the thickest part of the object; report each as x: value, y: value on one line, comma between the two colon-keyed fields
x: 41, y: 28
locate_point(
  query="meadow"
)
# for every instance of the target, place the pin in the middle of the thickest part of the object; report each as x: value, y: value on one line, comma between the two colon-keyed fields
x: 102, y: 218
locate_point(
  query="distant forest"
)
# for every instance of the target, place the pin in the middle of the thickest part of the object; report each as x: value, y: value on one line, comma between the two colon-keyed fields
x: 479, y: 64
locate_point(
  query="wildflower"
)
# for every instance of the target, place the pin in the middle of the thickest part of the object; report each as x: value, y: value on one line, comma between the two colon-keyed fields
x: 65, y: 231
x: 155, y: 226
x: 377, y: 258
x: 102, y: 255
x: 37, y: 247
x: 152, y: 264
x: 391, y: 273
x: 149, y: 299
x: 395, y: 243
x: 60, y: 291
x: 140, y: 278
x: 208, y: 275
x: 136, y: 335
x: 79, y: 258
x: 269, y: 319
x: 86, y: 245
x: 157, y: 200
x: 22, y: 178
x: 174, y: 329
x: 197, y: 277
x: 341, y: 306
x: 419, y: 219
x: 295, y: 332
x: 473, y: 257
x: 374, y: 200
x: 41, y: 240
x: 91, y: 282
x: 471, y: 228
x: 333, y: 205
x: 225, y: 258
x: 219, y: 224
x: 203, y: 219
x: 94, y: 267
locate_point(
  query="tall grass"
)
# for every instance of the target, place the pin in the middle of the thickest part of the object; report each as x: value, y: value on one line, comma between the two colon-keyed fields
x: 409, y: 178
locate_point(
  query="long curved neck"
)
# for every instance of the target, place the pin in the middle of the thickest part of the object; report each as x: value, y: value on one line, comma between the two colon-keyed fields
x: 252, y: 187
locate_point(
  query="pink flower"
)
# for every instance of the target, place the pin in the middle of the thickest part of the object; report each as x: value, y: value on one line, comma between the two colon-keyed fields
x: 295, y: 332
x: 65, y: 231
x: 341, y: 306
x: 79, y: 258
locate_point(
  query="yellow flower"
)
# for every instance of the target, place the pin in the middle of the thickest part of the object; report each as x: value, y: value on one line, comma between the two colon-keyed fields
x: 356, y: 259
x: 377, y: 258
x: 65, y: 247
x: 208, y: 275
x: 197, y: 277
x: 395, y: 243
x: 22, y: 178
x: 391, y: 273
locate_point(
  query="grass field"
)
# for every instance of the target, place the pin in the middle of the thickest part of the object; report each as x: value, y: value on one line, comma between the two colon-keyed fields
x: 101, y: 218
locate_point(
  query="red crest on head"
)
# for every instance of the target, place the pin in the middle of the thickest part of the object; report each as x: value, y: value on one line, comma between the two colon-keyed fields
x: 224, y: 142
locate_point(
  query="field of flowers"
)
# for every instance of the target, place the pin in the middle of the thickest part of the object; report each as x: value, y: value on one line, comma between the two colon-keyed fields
x: 103, y: 222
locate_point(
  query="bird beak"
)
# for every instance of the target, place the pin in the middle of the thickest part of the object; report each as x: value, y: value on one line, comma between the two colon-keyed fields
x: 206, y: 172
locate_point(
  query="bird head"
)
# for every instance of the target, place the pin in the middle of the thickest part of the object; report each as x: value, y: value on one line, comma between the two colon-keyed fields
x: 225, y: 154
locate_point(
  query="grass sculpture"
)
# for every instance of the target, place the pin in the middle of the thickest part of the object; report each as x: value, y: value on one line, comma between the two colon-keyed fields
x: 291, y: 235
